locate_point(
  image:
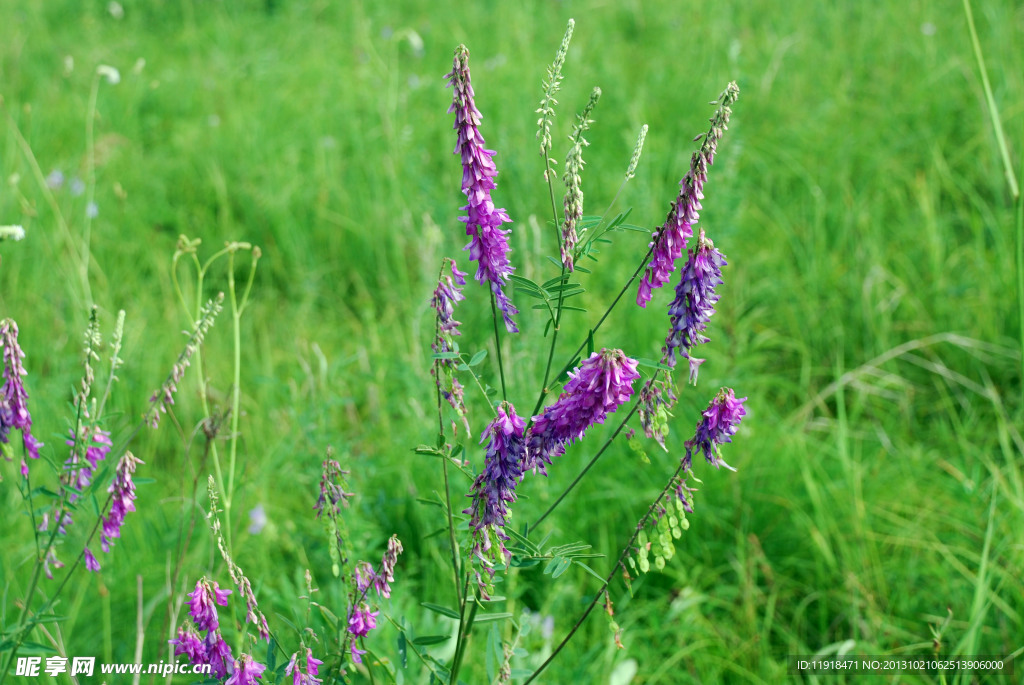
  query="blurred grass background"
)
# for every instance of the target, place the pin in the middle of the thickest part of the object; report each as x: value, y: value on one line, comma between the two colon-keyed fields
x: 868, y: 309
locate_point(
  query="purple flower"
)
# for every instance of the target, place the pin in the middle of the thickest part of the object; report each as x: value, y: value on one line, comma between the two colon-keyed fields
x: 51, y: 560
x: 257, y: 519
x: 717, y: 426
x: 362, y: 621
x: 90, y: 561
x: 246, y: 671
x: 295, y: 670
x: 219, y: 654
x: 669, y: 241
x: 657, y: 398
x: 189, y: 644
x: 495, y: 487
x: 488, y: 245
x: 79, y: 475
x: 332, y: 490
x: 363, y: 576
x: 14, y: 399
x: 600, y: 386
x: 202, y: 605
x: 356, y: 653
x: 446, y: 295
x: 122, y: 492
x: 387, y: 567
x: 694, y: 304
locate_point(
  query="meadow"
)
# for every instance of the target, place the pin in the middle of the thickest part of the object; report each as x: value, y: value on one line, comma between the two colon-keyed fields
x: 870, y: 310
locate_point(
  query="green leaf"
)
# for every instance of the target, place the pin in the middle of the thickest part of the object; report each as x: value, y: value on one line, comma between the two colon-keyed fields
x: 438, y: 609
x: 555, y: 281
x: 488, y: 618
x: 553, y: 261
x: 478, y: 357
x: 522, y: 540
x: 577, y: 267
x: 635, y: 229
x: 143, y: 481
x: 428, y: 640
x: 563, y: 566
x: 650, y: 363
x: 525, y: 284
x: 403, y: 656
x: 271, y: 658
x: 445, y: 355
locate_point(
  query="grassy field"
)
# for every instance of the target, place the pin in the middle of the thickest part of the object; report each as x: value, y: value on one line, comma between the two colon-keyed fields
x: 869, y: 310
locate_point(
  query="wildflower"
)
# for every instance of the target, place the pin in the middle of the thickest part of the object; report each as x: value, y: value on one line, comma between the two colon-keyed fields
x: 79, y: 475
x: 716, y: 427
x: 246, y: 671
x: 600, y: 386
x: 90, y: 560
x: 685, y: 494
x: 387, y: 567
x: 190, y: 644
x: 202, y: 605
x: 573, y: 203
x: 55, y: 179
x: 295, y: 669
x: 51, y: 560
x: 488, y: 244
x: 694, y: 304
x: 122, y: 492
x: 446, y: 296
x: 669, y: 241
x: 219, y: 654
x: 257, y: 519
x: 253, y: 614
x: 362, y: 621
x: 657, y: 397
x: 363, y: 576
x: 164, y: 396
x: 14, y: 400
x: 15, y: 232
x: 332, y: 488
x: 551, y: 86
x: 495, y: 487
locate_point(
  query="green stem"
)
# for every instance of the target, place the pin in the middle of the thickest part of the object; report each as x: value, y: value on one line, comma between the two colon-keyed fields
x: 579, y: 476
x: 993, y: 110
x: 465, y: 628
x: 1020, y: 280
x: 568, y: 365
x: 611, y: 574
x: 497, y: 346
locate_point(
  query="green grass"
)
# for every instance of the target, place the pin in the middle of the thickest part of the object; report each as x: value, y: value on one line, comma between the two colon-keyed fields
x: 868, y: 310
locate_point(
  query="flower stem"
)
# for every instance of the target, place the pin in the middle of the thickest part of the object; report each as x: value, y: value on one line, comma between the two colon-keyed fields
x: 497, y: 346
x: 608, y: 579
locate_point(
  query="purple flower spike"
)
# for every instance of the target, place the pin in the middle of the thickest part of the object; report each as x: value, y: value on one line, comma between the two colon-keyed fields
x: 488, y: 245
x: 90, y: 561
x: 382, y: 580
x: 694, y: 304
x: 362, y: 621
x: 189, y: 644
x: 295, y: 669
x: 446, y: 296
x: 669, y: 242
x: 495, y: 488
x: 122, y: 492
x: 219, y: 654
x: 246, y: 671
x: 600, y: 386
x: 202, y: 605
x: 13, y: 397
x: 716, y: 427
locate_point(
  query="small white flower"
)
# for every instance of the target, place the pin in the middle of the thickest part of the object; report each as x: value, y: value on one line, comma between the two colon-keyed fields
x: 12, y: 232
x: 113, y: 75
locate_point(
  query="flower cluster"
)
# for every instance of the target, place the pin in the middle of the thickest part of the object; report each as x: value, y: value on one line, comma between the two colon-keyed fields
x: 360, y: 619
x: 694, y: 304
x: 669, y: 241
x: 332, y: 489
x: 164, y: 395
x: 245, y: 671
x: 122, y: 494
x: 307, y: 676
x: 13, y: 397
x: 600, y: 386
x: 495, y: 488
x: 212, y: 649
x: 446, y: 295
x: 572, y: 205
x: 657, y: 398
x: 488, y: 244
x: 716, y: 427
